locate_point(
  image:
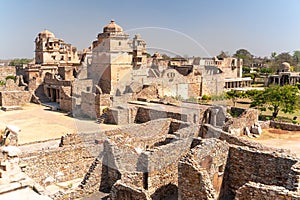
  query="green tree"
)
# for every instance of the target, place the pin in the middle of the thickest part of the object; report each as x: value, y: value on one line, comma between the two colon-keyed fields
x: 19, y: 61
x: 296, y: 57
x: 223, y: 54
x: 252, y: 93
x: 284, y: 57
x: 276, y: 98
x: 266, y: 70
x: 246, y: 70
x: 273, y: 55
x: 10, y: 77
x: 245, y: 55
x: 234, y: 95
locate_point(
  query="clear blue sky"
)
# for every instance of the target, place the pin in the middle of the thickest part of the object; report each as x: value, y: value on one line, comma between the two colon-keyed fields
x: 201, y: 27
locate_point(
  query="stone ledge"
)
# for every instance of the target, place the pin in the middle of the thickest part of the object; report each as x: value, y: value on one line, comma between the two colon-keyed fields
x: 11, y: 108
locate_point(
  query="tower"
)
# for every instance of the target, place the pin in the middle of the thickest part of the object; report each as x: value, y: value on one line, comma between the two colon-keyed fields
x: 111, y: 58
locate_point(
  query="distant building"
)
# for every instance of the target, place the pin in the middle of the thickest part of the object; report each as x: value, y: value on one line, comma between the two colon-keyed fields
x: 114, y: 56
x: 115, y: 62
x: 284, y: 76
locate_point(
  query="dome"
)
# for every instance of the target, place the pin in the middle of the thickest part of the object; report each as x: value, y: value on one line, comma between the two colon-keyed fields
x: 285, y: 67
x: 112, y: 27
x: 46, y: 34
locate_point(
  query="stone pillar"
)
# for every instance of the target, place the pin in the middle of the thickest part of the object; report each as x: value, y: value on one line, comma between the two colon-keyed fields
x: 213, y: 116
x: 57, y: 95
x: 51, y: 94
x: 9, y: 167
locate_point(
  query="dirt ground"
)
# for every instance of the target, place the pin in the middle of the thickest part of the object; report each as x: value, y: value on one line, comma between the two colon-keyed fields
x: 38, y: 123
x: 280, y: 139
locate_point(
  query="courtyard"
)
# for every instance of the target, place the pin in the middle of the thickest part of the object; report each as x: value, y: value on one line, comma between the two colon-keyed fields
x: 39, y: 123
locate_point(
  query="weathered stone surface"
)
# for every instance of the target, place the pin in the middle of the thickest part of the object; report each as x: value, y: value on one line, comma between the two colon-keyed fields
x: 256, y: 129
x: 200, y: 172
x: 236, y: 126
x: 14, y: 98
x: 259, y: 166
x: 285, y: 126
x: 257, y: 191
x: 126, y: 192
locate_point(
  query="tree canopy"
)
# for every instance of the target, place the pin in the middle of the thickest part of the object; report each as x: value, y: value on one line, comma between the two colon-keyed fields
x: 245, y: 55
x: 277, y: 98
x: 223, y: 54
x: 234, y: 95
x: 19, y: 61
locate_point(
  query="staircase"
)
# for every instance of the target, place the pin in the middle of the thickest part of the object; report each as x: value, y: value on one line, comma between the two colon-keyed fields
x: 92, y: 177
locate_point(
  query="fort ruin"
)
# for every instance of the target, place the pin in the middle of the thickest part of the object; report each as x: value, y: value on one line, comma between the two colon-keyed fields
x: 164, y: 158
x: 162, y: 148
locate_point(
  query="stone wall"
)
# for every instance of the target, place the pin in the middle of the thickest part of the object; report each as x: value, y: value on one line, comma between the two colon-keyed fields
x: 146, y: 157
x: 117, y: 115
x: 201, y: 171
x: 7, y: 71
x: 285, y: 126
x: 236, y: 126
x: 208, y: 131
x: 256, y: 191
x: 88, y: 105
x: 140, y: 113
x: 61, y: 164
x: 245, y: 164
x: 123, y: 191
x: 65, y: 101
x: 14, y: 98
x: 147, y: 114
x: 142, y: 135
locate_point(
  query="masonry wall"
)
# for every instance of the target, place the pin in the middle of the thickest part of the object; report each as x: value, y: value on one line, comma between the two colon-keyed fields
x: 7, y: 71
x: 285, y: 126
x: 201, y: 171
x: 127, y: 192
x: 146, y: 114
x: 14, y: 98
x: 245, y: 164
x: 65, y: 100
x: 62, y: 163
x: 256, y: 191
x: 88, y: 104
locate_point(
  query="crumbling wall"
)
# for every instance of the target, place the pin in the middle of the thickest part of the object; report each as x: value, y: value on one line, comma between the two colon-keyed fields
x: 204, y: 164
x: 7, y: 71
x: 65, y: 101
x: 121, y: 190
x: 142, y: 135
x: 147, y: 114
x: 215, y: 116
x: 102, y: 101
x: 245, y: 164
x: 285, y: 126
x: 117, y: 115
x: 61, y: 163
x: 208, y: 131
x: 257, y: 191
x: 88, y: 104
x: 237, y: 126
x: 14, y: 98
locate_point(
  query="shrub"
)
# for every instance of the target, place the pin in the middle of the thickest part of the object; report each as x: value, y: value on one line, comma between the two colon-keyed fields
x: 10, y: 77
x: 192, y: 99
x: 104, y: 110
x: 205, y: 97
